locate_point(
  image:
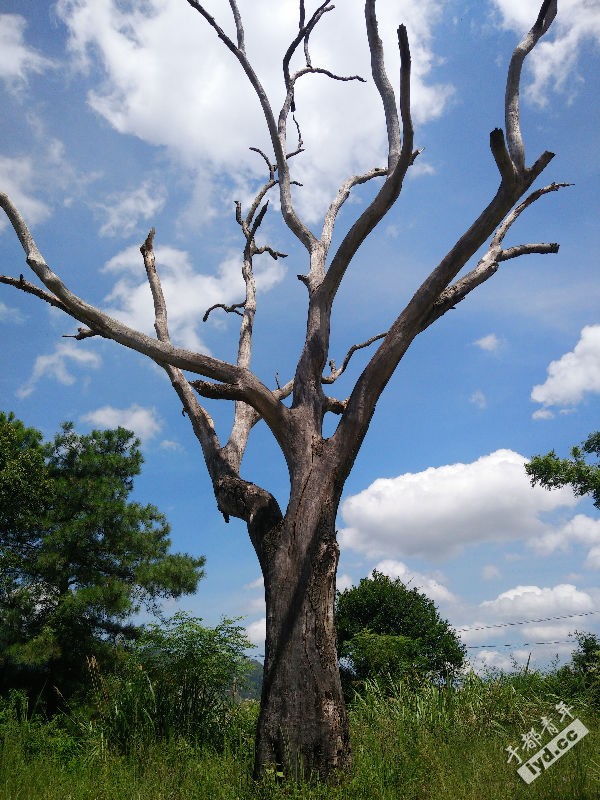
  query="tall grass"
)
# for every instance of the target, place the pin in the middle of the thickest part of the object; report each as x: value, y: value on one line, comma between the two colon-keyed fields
x: 414, y: 743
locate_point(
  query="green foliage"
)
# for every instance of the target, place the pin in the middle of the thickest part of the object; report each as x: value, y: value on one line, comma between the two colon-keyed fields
x: 553, y: 472
x: 582, y: 676
x: 77, y: 557
x: 180, y: 679
x: 381, y: 656
x: 385, y: 628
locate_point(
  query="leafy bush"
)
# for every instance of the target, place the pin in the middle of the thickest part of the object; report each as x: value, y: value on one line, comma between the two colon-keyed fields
x: 180, y: 679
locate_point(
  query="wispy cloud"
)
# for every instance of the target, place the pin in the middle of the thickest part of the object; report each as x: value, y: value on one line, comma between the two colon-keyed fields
x: 17, y: 59
x: 56, y: 366
x: 8, y: 314
x: 123, y: 211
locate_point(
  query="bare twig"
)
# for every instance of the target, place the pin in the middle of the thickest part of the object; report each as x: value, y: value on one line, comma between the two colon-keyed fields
x: 31, y: 288
x: 503, y: 228
x: 229, y: 309
x: 335, y: 373
x: 82, y: 333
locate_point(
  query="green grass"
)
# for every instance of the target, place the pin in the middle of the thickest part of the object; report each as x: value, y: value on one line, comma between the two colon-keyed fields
x: 414, y: 744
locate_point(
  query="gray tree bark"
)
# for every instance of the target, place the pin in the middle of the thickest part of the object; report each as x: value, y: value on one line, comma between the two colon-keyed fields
x: 303, y: 725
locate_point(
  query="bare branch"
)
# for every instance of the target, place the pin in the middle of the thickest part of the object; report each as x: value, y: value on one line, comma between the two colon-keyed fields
x: 335, y: 373
x: 229, y: 309
x: 82, y: 333
x: 238, y: 25
x: 163, y: 352
x: 384, y: 87
x: 518, y: 210
x: 335, y: 406
x: 219, y: 391
x: 342, y: 195
x: 270, y: 166
x: 516, y: 147
x: 389, y: 192
x: 503, y: 161
x: 488, y: 264
x: 276, y: 132
x: 304, y: 31
x: 31, y: 288
x: 542, y: 248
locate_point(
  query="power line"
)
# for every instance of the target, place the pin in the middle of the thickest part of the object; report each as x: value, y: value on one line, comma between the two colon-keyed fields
x: 468, y: 629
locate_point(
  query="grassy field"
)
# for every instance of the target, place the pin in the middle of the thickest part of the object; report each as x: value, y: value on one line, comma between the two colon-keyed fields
x: 413, y: 744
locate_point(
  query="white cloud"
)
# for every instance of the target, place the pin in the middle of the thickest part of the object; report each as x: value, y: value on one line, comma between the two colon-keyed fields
x: 489, y: 343
x: 478, y: 399
x: 543, y: 413
x: 144, y: 422
x: 574, y: 375
x: 256, y: 584
x: 426, y: 584
x: 17, y: 59
x: 17, y: 175
x: 125, y: 210
x: 257, y: 631
x: 8, y: 314
x: 581, y: 530
x: 534, y: 602
x: 55, y: 365
x: 343, y: 582
x: 517, y: 605
x: 554, y: 62
x: 169, y: 444
x: 147, y: 51
x: 437, y: 512
x: 188, y: 294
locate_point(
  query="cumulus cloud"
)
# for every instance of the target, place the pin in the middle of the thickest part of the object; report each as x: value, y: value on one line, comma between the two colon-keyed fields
x: 145, y: 52
x: 437, y: 512
x: 426, y: 584
x: 56, y: 366
x: 17, y: 59
x: 524, y: 615
x: 123, y: 211
x: 188, y: 293
x: 572, y: 376
x: 15, y: 175
x: 554, y: 62
x: 581, y: 530
x: 534, y: 602
x: 144, y: 422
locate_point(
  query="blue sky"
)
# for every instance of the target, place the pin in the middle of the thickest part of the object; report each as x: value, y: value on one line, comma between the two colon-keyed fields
x: 117, y: 117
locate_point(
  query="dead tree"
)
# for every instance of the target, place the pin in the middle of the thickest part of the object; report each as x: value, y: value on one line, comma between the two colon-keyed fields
x: 303, y: 723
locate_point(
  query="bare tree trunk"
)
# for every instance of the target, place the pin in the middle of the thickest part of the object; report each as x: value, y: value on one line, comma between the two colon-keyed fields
x: 303, y: 724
